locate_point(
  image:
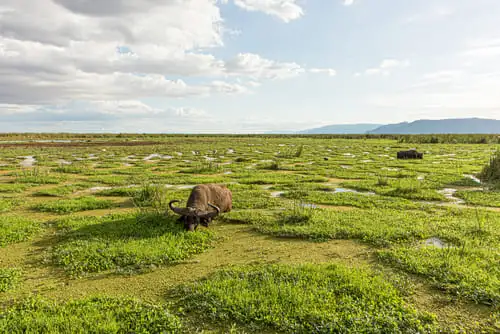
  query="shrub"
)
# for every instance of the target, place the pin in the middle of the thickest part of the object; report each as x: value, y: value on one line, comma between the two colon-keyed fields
x: 491, y: 172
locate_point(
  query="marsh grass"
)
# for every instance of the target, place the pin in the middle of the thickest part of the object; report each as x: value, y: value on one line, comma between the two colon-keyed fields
x: 37, y: 175
x: 14, y: 228
x: 12, y: 188
x: 124, y: 243
x: 491, y: 172
x: 64, y: 206
x: 403, y: 188
x: 481, y: 198
x: 90, y: 315
x: 7, y: 204
x: 291, y: 152
x: 9, y: 278
x: 470, y: 273
x: 60, y: 191
x: 204, y: 167
x: 388, y: 216
x: 304, y: 299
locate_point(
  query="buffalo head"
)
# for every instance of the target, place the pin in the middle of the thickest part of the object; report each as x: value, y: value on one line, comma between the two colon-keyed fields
x: 192, y: 217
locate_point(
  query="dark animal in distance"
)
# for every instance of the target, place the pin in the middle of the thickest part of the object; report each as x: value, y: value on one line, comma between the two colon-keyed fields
x: 410, y: 154
x: 205, y: 202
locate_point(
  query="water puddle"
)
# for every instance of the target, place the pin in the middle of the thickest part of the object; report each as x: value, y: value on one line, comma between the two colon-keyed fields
x: 345, y: 190
x: 449, y: 193
x: 97, y: 189
x: 151, y: 156
x: 186, y: 186
x: 473, y: 178
x: 28, y: 161
x: 435, y: 242
x: 64, y: 162
x: 276, y: 194
x: 309, y: 205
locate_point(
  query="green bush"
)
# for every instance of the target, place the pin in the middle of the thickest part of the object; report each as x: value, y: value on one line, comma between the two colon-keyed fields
x: 491, y: 172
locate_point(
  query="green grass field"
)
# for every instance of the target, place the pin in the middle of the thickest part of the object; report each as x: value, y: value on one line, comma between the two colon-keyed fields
x: 326, y: 235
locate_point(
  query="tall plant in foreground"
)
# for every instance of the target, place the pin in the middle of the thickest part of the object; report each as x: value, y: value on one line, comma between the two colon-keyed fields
x: 491, y: 172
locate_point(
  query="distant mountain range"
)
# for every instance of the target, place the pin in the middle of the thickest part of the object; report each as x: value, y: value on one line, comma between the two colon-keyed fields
x: 442, y: 126
x: 342, y: 129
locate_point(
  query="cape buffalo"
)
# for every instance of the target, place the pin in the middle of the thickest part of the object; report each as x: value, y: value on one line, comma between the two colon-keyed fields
x: 205, y: 203
x: 410, y: 154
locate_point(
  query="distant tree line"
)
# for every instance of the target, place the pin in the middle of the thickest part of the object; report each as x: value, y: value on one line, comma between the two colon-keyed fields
x: 410, y: 139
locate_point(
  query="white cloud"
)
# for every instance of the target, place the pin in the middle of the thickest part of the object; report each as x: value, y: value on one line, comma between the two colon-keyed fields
x: 256, y: 67
x: 482, y: 48
x: 446, y: 91
x: 385, y: 66
x: 348, y: 2
x: 434, y: 13
x: 104, y: 110
x: 286, y: 10
x: 330, y: 71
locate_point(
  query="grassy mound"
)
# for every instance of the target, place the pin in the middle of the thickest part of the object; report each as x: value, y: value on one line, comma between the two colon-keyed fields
x: 305, y: 299
x: 467, y: 272
x: 124, y: 243
x: 9, y: 278
x: 93, y: 315
x: 16, y: 229
x: 73, y: 205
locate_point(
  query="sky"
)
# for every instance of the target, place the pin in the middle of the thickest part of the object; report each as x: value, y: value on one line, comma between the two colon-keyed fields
x: 244, y: 66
